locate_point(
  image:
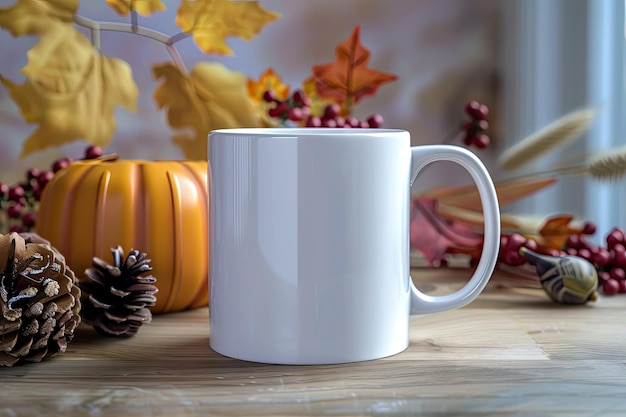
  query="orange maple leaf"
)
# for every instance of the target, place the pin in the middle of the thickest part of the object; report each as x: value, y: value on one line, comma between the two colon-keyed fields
x: 557, y: 229
x: 348, y: 80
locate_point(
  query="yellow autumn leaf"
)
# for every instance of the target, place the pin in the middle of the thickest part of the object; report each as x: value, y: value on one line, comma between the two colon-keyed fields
x: 28, y: 17
x: 318, y: 104
x: 209, y: 97
x: 70, y: 90
x: 268, y: 80
x: 212, y: 21
x: 143, y: 7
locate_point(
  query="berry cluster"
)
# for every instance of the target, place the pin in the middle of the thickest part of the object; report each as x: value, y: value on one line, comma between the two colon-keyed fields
x: 609, y: 260
x: 19, y: 202
x: 332, y: 118
x: 475, y: 129
x: 510, y: 246
x: 297, y: 109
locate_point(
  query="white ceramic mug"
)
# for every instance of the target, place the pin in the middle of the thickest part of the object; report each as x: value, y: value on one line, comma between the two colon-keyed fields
x: 309, y: 238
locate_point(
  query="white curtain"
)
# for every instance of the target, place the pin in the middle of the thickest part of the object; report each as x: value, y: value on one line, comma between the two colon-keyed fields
x: 561, y: 55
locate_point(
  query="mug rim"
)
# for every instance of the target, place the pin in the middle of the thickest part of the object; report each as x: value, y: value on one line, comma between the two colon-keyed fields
x: 306, y: 131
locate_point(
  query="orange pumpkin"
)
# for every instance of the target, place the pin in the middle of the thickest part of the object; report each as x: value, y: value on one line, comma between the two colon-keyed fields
x: 157, y: 207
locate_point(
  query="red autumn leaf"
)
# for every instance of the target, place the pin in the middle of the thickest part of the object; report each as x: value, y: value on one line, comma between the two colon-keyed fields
x: 435, y: 236
x: 348, y: 80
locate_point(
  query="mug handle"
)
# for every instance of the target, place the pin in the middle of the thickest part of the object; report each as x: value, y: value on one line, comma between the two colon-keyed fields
x: 420, y: 157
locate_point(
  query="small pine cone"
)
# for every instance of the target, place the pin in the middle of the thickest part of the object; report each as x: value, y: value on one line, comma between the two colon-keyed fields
x: 116, y: 298
x: 39, y: 300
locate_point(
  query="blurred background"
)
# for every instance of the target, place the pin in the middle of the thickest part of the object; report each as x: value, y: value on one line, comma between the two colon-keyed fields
x: 530, y: 61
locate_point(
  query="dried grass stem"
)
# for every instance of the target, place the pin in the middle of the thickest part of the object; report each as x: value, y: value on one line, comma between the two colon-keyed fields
x: 554, y: 136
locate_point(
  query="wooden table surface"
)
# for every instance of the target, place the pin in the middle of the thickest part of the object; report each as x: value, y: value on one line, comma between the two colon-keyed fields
x: 510, y: 353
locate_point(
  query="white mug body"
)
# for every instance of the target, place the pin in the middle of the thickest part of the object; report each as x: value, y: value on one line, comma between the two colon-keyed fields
x: 309, y: 244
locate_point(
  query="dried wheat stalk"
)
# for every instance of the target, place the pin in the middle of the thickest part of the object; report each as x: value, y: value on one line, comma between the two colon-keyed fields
x: 554, y: 136
x: 609, y: 165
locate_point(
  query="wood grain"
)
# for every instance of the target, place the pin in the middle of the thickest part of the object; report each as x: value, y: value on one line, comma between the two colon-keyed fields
x: 510, y: 353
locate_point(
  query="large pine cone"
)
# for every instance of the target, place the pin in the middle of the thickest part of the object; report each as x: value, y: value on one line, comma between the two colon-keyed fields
x: 39, y: 300
x: 117, y: 297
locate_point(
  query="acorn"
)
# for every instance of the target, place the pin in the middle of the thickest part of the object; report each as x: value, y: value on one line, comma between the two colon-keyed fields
x: 566, y: 279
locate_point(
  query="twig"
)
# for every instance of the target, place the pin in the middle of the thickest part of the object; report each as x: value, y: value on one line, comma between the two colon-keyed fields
x: 169, y: 41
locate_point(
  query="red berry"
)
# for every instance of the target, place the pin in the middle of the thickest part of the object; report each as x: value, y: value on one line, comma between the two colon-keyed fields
x: 32, y: 173
x: 331, y: 111
x: 14, y: 211
x: 515, y: 241
x: 329, y: 123
x: 341, y: 122
x: 589, y: 228
x: 510, y: 249
x: 306, y: 110
x: 481, y: 141
x: 44, y: 178
x: 571, y: 251
x: 16, y: 229
x: 531, y: 244
x: 93, y: 152
x: 610, y: 287
x: 622, y: 286
x: 618, y: 256
x: 295, y: 114
x: 615, y: 236
x: 468, y: 139
x: 269, y: 96
x: 572, y: 242
x: 60, y: 164
x: 4, y: 190
x: 554, y: 252
x: 584, y: 253
x: 617, y: 273
x: 513, y: 258
x: 16, y: 193
x: 29, y: 219
x: 482, y: 125
x: 282, y: 105
x: 37, y: 193
x: 583, y: 242
x: 313, y: 121
x: 275, y: 112
x: 476, y: 110
x: 353, y: 121
x: 364, y: 124
x: 375, y: 121
x: 299, y: 97
x: 604, y: 276
x: 483, y: 112
x: 602, y: 258
x: 472, y: 107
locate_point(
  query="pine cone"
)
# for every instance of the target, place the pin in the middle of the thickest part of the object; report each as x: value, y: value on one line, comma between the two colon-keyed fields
x: 39, y: 300
x: 116, y: 299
